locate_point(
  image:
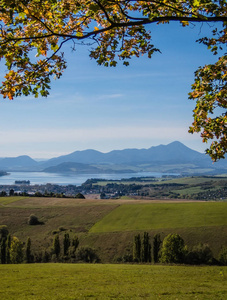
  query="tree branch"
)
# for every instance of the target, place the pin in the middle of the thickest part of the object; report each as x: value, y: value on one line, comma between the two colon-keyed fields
x: 123, y: 24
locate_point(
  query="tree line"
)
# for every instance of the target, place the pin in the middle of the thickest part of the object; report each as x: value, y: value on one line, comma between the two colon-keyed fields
x: 172, y: 250
x: 48, y: 194
x: 13, y: 251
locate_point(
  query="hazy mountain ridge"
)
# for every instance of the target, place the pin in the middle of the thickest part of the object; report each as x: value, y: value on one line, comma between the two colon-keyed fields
x: 72, y: 167
x: 173, y: 152
x: 173, y: 156
x: 23, y: 162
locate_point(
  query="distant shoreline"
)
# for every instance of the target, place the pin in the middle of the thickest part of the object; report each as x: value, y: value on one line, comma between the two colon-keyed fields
x: 70, y: 178
x: 3, y: 173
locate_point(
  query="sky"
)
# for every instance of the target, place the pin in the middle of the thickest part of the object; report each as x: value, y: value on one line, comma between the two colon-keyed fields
x: 93, y: 107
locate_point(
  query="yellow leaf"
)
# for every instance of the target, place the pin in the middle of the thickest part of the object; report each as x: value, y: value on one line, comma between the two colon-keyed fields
x: 196, y: 3
x: 185, y: 23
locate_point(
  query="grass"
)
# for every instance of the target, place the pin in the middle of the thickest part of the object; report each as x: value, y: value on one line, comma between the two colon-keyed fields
x: 128, y: 182
x: 75, y: 219
x: 162, y: 215
x: 110, y: 225
x: 193, y: 190
x: 8, y: 200
x: 80, y: 281
x: 194, y: 180
x: 189, y: 180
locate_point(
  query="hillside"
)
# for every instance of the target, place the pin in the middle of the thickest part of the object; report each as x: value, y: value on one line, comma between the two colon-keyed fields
x: 110, y: 225
x: 20, y: 163
x: 72, y: 167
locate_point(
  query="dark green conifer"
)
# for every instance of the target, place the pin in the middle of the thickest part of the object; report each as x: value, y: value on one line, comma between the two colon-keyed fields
x: 3, y: 250
x: 28, y: 251
x: 156, y: 247
x: 137, y: 248
x: 66, y: 244
x: 146, y: 248
x: 56, y: 246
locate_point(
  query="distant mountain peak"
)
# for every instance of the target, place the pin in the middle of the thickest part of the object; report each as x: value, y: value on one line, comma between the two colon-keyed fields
x: 155, y: 158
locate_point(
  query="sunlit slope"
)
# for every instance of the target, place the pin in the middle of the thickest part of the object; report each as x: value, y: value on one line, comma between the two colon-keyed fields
x: 156, y: 216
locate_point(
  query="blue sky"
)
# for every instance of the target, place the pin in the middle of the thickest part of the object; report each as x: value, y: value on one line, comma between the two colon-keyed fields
x: 93, y: 107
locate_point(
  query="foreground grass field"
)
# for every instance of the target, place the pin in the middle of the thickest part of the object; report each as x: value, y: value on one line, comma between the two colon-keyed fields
x: 80, y: 281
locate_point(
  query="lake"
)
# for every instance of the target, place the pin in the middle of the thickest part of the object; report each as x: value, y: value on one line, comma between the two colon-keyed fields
x: 66, y: 179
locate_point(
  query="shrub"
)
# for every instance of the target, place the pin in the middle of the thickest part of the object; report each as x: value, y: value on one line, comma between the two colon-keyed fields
x: 127, y: 258
x: 45, y: 256
x: 88, y: 255
x: 61, y: 228
x: 38, y: 257
x: 223, y: 256
x: 200, y: 254
x: 33, y: 220
x: 79, y: 196
x: 3, y: 231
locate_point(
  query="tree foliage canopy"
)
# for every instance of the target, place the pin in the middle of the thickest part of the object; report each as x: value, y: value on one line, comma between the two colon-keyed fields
x: 173, y: 249
x: 33, y: 34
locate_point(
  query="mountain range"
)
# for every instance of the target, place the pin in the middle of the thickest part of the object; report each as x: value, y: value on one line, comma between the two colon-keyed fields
x: 174, y: 157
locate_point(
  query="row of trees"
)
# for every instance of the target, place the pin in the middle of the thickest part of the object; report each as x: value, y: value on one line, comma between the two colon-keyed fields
x: 13, y: 251
x: 142, y: 248
x: 39, y: 194
x: 173, y: 250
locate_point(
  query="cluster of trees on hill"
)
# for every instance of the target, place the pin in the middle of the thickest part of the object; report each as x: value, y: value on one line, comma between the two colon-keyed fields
x: 172, y: 250
x: 57, y: 195
x: 66, y: 249
x: 40, y: 194
x: 13, y: 251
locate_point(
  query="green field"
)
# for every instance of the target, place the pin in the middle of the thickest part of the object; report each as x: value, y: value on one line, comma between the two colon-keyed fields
x: 80, y: 281
x: 191, y: 180
x: 162, y: 215
x: 7, y: 200
x: 109, y: 226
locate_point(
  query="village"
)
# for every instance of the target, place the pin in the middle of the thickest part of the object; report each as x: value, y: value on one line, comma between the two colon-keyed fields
x: 196, y: 188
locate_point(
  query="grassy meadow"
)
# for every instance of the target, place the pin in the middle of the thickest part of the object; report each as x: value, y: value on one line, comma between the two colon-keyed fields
x: 98, y: 281
x: 109, y: 226
x: 130, y: 217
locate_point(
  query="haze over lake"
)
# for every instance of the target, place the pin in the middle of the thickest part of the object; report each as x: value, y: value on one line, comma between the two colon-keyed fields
x: 66, y: 179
